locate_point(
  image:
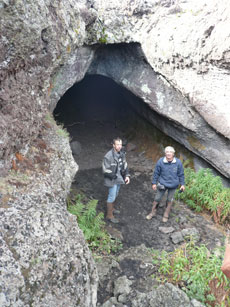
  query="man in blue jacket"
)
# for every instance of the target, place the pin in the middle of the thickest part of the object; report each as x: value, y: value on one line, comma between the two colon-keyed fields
x: 167, y: 176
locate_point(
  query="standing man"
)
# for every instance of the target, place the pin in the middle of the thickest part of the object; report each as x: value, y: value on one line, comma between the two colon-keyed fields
x: 167, y: 176
x: 115, y: 172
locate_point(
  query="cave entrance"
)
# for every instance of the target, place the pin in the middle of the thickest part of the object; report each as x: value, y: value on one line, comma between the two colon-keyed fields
x: 96, y: 110
x: 95, y: 98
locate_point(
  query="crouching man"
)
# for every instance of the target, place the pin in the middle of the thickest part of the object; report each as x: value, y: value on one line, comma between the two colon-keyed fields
x: 115, y: 172
x: 167, y: 176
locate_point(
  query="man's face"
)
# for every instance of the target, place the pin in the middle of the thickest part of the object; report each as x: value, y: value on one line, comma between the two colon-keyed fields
x: 117, y: 146
x: 169, y: 155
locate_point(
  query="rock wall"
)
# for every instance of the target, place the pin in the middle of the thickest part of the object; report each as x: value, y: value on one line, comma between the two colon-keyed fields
x: 187, y: 42
x: 37, y: 40
x: 126, y: 64
x: 44, y: 258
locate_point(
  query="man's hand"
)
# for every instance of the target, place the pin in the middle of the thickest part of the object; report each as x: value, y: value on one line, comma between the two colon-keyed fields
x: 127, y: 180
x: 182, y: 188
x: 154, y: 186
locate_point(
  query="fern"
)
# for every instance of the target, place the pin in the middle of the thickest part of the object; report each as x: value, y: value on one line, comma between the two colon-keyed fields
x: 92, y: 225
x: 204, y: 191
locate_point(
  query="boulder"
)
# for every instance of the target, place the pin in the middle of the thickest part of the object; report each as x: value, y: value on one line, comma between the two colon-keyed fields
x: 44, y: 257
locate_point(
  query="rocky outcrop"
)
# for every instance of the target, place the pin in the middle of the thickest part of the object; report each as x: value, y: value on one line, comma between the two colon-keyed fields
x: 165, y: 107
x: 44, y: 258
x: 131, y: 291
x: 38, y: 40
x: 185, y: 41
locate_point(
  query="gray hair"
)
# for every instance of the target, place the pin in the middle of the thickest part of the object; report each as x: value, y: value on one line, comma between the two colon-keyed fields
x: 169, y: 148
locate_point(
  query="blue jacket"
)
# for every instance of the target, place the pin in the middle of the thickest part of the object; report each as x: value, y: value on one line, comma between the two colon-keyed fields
x: 170, y: 174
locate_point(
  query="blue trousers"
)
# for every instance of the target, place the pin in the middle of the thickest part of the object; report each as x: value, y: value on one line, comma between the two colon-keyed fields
x: 113, y: 192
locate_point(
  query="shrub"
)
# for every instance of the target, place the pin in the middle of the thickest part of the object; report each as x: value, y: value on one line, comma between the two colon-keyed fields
x: 204, y: 191
x: 196, y: 271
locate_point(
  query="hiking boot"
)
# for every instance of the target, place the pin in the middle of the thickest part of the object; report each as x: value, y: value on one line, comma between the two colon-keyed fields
x: 109, y: 215
x: 151, y: 215
x: 116, y: 211
x: 113, y: 220
x: 166, y: 213
x: 153, y: 212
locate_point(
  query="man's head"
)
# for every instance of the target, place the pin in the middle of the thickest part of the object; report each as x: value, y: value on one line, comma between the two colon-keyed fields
x: 117, y: 144
x: 169, y: 153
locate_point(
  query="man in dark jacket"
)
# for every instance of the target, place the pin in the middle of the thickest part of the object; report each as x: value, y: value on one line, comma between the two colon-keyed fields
x: 115, y: 172
x: 167, y: 176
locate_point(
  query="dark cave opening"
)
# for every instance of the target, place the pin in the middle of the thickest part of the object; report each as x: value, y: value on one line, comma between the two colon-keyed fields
x: 95, y: 98
x: 99, y: 101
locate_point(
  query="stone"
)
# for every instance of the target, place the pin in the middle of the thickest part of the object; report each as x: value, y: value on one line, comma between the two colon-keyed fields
x: 160, y: 97
x: 104, y: 267
x: 114, y: 233
x: 191, y: 234
x: 181, y: 58
x: 177, y: 237
x: 183, y: 219
x: 112, y: 302
x: 163, y: 295
x: 122, y: 298
x: 195, y: 303
x: 122, y: 286
x: 180, y: 78
x: 166, y: 229
x: 75, y: 147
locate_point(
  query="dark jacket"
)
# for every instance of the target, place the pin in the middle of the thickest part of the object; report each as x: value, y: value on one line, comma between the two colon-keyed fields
x: 170, y: 174
x: 115, y: 168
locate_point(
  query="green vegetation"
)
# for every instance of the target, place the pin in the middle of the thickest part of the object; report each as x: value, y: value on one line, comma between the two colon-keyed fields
x: 196, y: 271
x: 204, y: 191
x: 50, y: 119
x: 104, y: 37
x: 62, y: 132
x: 92, y: 225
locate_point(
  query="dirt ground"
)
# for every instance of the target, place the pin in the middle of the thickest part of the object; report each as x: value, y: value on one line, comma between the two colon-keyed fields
x: 135, y: 200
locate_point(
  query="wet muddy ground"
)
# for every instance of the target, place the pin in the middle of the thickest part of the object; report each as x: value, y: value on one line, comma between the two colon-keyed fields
x: 134, y: 203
